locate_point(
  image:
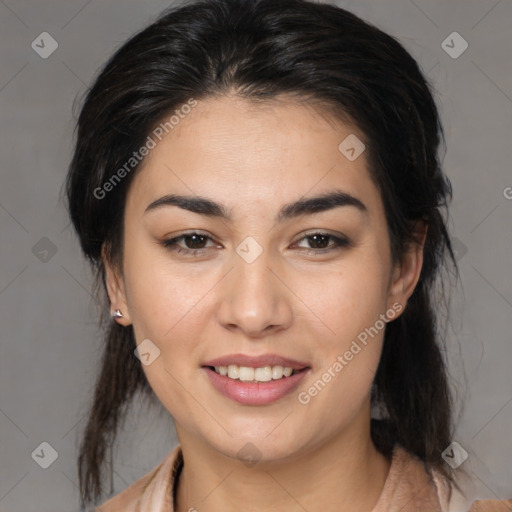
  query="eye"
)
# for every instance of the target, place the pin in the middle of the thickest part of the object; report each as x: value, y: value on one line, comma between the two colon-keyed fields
x: 194, y: 243
x: 320, y: 242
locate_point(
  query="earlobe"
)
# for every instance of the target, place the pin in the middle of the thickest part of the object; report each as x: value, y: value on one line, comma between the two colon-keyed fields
x: 407, y: 273
x: 115, y: 289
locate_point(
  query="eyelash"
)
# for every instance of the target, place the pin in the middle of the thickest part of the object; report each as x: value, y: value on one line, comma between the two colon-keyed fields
x: 171, y: 244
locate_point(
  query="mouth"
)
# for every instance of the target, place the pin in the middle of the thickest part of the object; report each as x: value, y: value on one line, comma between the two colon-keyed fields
x: 260, y: 374
x: 255, y: 386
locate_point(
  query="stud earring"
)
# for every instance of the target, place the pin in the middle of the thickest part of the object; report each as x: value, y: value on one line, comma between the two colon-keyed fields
x: 117, y: 314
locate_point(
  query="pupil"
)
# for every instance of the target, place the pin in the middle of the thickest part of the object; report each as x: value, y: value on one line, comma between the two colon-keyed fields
x: 316, y: 238
x: 195, y: 239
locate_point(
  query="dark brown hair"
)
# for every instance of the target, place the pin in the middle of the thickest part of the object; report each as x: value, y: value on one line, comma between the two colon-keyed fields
x: 262, y: 50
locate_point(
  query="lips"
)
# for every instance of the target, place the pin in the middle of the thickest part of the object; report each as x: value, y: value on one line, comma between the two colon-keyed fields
x: 256, y: 361
x: 255, y: 393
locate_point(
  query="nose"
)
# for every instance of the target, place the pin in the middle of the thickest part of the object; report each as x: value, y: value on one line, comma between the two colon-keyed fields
x: 254, y: 300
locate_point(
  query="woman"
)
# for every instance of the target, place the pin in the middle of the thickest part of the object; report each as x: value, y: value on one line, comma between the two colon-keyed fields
x: 257, y: 185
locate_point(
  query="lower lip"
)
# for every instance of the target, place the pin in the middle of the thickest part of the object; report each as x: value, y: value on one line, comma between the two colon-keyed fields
x: 255, y: 393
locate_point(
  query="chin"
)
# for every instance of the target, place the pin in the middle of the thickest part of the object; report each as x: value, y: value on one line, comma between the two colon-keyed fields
x: 256, y: 446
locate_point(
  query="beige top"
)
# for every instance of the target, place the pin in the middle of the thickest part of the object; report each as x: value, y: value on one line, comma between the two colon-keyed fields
x: 407, y: 488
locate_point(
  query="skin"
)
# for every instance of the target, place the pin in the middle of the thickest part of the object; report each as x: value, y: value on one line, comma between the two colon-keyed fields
x: 253, y: 159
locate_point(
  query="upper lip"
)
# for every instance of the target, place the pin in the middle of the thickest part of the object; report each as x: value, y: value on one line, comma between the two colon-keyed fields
x: 256, y: 361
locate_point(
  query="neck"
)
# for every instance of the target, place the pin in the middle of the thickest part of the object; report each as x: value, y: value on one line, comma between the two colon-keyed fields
x: 344, y: 473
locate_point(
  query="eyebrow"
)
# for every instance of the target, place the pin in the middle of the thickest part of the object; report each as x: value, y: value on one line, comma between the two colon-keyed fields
x: 303, y: 206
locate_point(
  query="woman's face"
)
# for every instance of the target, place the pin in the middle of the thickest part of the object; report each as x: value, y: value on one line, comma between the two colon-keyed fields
x: 266, y: 278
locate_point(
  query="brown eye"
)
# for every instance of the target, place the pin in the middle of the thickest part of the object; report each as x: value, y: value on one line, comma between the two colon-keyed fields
x: 195, y: 241
x: 321, y: 243
x: 189, y: 243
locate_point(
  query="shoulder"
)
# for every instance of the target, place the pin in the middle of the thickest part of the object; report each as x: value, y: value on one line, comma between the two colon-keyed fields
x: 491, y: 506
x: 153, y: 489
x: 408, y: 486
x: 127, y: 500
x: 420, y: 489
x: 462, y: 499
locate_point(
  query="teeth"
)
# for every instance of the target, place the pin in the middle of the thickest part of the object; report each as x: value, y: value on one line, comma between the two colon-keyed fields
x: 277, y: 372
x: 263, y: 374
x: 245, y: 373
x: 233, y: 371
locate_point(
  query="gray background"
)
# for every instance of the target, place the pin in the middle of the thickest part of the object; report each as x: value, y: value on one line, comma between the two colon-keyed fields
x: 50, y: 340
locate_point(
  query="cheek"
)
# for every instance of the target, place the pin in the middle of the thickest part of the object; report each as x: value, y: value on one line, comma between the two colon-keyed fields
x: 349, y: 298
x: 169, y: 307
x: 161, y: 295
x: 348, y: 356
x: 350, y: 302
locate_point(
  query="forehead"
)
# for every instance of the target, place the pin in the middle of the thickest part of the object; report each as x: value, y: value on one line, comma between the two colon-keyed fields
x: 245, y: 154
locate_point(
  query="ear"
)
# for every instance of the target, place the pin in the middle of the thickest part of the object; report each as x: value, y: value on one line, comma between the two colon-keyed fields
x: 115, y: 289
x: 407, y: 273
